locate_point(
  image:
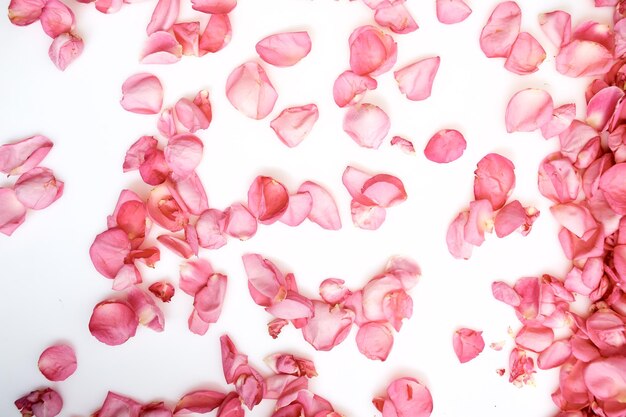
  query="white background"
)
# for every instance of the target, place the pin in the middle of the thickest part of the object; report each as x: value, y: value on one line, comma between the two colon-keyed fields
x: 49, y: 285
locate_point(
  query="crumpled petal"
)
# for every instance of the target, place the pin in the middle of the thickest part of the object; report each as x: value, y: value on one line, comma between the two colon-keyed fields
x: 505, y: 293
x: 349, y: 87
x: 384, y: 190
x: 396, y: 17
x: 177, y: 245
x: 56, y: 18
x: 12, y: 211
x: 142, y: 93
x: 501, y: 30
x: 161, y: 48
x: 139, y: 152
x: 366, y: 124
x: 494, y: 179
x: 407, y: 398
x: 324, y: 210
x: 201, y: 401
x: 368, y: 217
x: 583, y: 58
x: 284, y: 49
x: 191, y: 115
x: 372, y: 52
x: 526, y: 55
x: 452, y: 11
x: 109, y: 250
x: 602, y: 105
x: 514, y: 216
x: 162, y: 290
x: 113, y: 322
x: 23, y: 155
x: 216, y: 35
x: 374, y: 340
x: 294, y: 124
x: 250, y: 91
x: 214, y: 6
x: 557, y: 26
x: 528, y: 110
x: 480, y: 220
x: 558, y: 180
x: 298, y: 210
x: 57, y: 363
x: 115, y: 405
x: 416, y: 80
x: 165, y: 210
x: 25, y: 12
x: 445, y: 146
x: 231, y: 406
x: 328, y: 327
x: 38, y: 188
x: 64, y: 49
x: 42, y: 403
x: 333, y: 291
x: 164, y: 16
x: 404, y: 144
x: 183, y: 154
x: 467, y: 344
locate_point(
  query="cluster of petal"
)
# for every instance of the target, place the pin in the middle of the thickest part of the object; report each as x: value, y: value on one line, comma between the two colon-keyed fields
x: 406, y: 397
x: 41, y: 403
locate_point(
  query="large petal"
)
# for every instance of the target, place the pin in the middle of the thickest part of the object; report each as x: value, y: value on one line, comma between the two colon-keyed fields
x: 614, y: 188
x: 250, y: 91
x: 216, y: 35
x: 113, y: 322
x: 494, y: 179
x: 56, y: 18
x: 109, y: 251
x: 582, y: 58
x: 209, y: 300
x: 501, y: 30
x: 528, y: 110
x: 239, y: 222
x: 409, y: 398
x: 416, y: 80
x: 557, y: 26
x: 25, y: 12
x: 284, y: 49
x: 267, y: 199
x: 183, y: 154
x: 328, y: 327
x: 64, y: 49
x: 371, y: 51
x: 265, y: 282
x: 57, y: 363
x: 374, y: 340
x: 526, y: 55
x: 324, y: 209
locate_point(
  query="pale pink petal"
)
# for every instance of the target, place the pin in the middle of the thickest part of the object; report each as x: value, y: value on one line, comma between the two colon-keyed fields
x: 354, y: 179
x: 265, y: 282
x: 479, y: 221
x: 216, y: 35
x: 574, y: 217
x: 25, y: 12
x: 562, y: 117
x: 194, y: 275
x: 333, y: 291
x: 328, y: 327
x: 455, y: 238
x: 494, y: 179
x: 196, y: 324
x: 165, y: 210
x: 12, y: 211
x: 416, y: 80
x: 183, y: 154
x: 126, y: 277
x: 505, y: 293
x: 375, y: 293
x: 108, y: 6
x: 294, y: 124
x: 526, y: 55
x: 42, y: 403
x: 201, y: 401
x: 191, y: 116
x: 324, y: 210
x: 187, y: 34
x: 164, y: 16
x: 602, y: 106
x: 397, y: 306
x: 232, y: 360
x: 371, y: 51
x: 501, y: 30
x: 514, y: 216
x: 349, y: 88
x: 582, y: 58
x: 595, y: 32
x: 64, y: 49
x: 613, y: 187
x: 368, y: 217
x: 374, y: 340
x: 554, y: 355
x: 161, y: 48
x: 404, y: 144
x: 139, y: 152
x: 535, y: 338
x: 607, y: 331
x: 164, y: 291
x: 445, y: 146
x: 142, y: 93
x: 250, y: 91
x: 177, y: 245
x: 116, y: 405
x: 147, y: 312
x: 166, y: 123
x: 113, y: 322
x: 405, y: 269
x: 214, y: 6
x: 620, y: 37
x: 38, y: 188
x: 298, y: 210
x: 267, y: 199
x: 208, y: 300
x: 56, y: 18
x: 239, y: 222
x: 384, y: 190
x: 293, y: 306
x: 528, y: 110
x: 408, y: 398
x: 467, y: 344
x: 366, y: 124
x: 191, y: 192
x: 109, y: 251
x: 209, y: 227
x: 557, y: 26
x: 558, y: 180
x: 21, y: 156
x: 284, y: 49
x: 57, y: 363
x: 396, y: 17
x: 605, y: 378
x: 452, y: 11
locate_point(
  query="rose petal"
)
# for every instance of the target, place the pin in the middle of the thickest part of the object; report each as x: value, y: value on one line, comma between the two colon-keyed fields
x: 191, y: 116
x: 210, y: 226
x: 602, y: 106
x: 375, y: 341
x: 265, y: 282
x: 216, y: 35
x: 371, y: 51
x: 408, y: 398
x: 526, y: 55
x: 396, y: 17
x: 375, y: 293
x: 294, y: 124
x: 480, y: 220
x: 57, y: 363
x: 194, y: 275
x: 239, y: 222
x: 614, y: 188
x: 293, y: 306
x: 494, y: 179
x: 581, y: 58
x: 161, y: 48
x: 333, y: 291
x: 557, y: 26
x: 250, y: 91
x: 562, y: 117
x: 514, y: 216
x: 467, y: 344
x: 177, y: 245
x: 38, y: 188
x: 148, y: 313
x: 554, y: 355
x: 284, y: 49
x: 187, y: 34
x: 445, y: 146
x: 12, y: 211
x: 231, y: 406
x: 452, y: 11
x: 328, y: 327
x: 109, y: 251
x: 165, y: 210
x: 64, y: 49
x: 416, y: 80
x: 535, y: 338
x: 162, y: 290
x: 267, y: 199
x: 366, y: 124
x: 214, y: 6
x: 190, y: 191
x: 183, y: 154
x: 42, y: 403
x: 528, y: 110
x: 503, y: 292
x: 201, y: 401
x: 558, y: 179
x: 298, y: 210
x: 164, y: 16
x: 368, y: 217
x: 56, y: 18
x: 384, y: 190
x: 404, y: 144
x: 113, y: 322
x: 208, y: 300
x: 142, y: 93
x: 25, y: 12
x: 139, y: 152
x: 324, y: 210
x: 24, y: 155
x: 349, y: 87
x: 501, y: 30
x: 455, y: 238
x: 117, y: 405
x: 605, y: 378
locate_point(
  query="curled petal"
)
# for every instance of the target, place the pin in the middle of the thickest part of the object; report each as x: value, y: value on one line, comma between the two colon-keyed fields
x: 416, y: 80
x: 188, y: 36
x: 494, y: 179
x: 452, y: 11
x: 366, y: 124
x: 109, y: 251
x: 374, y: 340
x: 56, y: 18
x: 396, y: 17
x: 375, y: 293
x: 555, y: 355
x: 25, y: 12
x: 38, y: 188
x: 467, y: 344
x: 505, y: 293
x: 154, y: 169
x: 328, y: 327
x: 408, y: 398
x: 265, y: 281
x: 480, y: 220
x: 298, y: 210
x: 526, y: 55
x: 250, y: 91
x: 183, y: 154
x: 162, y: 290
x: 231, y: 406
x: 294, y: 124
x: 115, y: 405
x: 161, y: 48
x: 267, y: 199
x: 42, y: 403
x: 514, y: 217
x: 64, y: 49
x: 404, y: 144
x: 191, y: 193
x: 445, y: 146
x: 58, y: 362
x: 146, y: 310
x: 191, y: 115
x: 239, y: 222
x: 164, y: 16
x: 349, y: 87
x: 528, y: 110
x: 333, y: 291
x: 142, y: 93
x: 602, y: 106
x: 139, y: 152
x: 558, y: 180
x: 194, y: 275
x: 113, y: 322
x: 201, y: 401
x: 177, y: 245
x: 582, y: 58
x: 368, y: 217
x: 284, y: 49
x: 323, y: 209
x: 384, y: 190
x: 216, y: 35
x: 165, y: 210
x: 455, y: 237
x: 501, y: 30
x: 557, y: 26
x: 371, y: 51
x: 24, y: 155
x: 214, y: 6
x: 293, y: 306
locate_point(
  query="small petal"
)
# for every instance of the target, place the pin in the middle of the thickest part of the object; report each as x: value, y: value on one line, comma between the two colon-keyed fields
x: 404, y: 144
x: 25, y: 12
x: 216, y: 35
x: 467, y: 344
x: 367, y: 217
x: 294, y: 124
x: 384, y: 190
x: 267, y: 199
x: 164, y: 16
x: 142, y: 93
x: 57, y: 363
x: 165, y: 210
x: 416, y: 80
x: 528, y: 110
x: 480, y: 220
x: 265, y: 282
x: 162, y: 290
x: 24, y: 155
x: 445, y: 146
x: 191, y: 116
x: 187, y: 34
x: 139, y: 152
x: 209, y: 300
x: 284, y: 49
x: 366, y: 124
x: 602, y: 106
x: 214, y: 6
x: 239, y: 222
x: 113, y: 322
x: 333, y: 291
x: 494, y: 179
x: 148, y: 313
x: 408, y: 398
x: 231, y: 406
x: 501, y: 30
x: 161, y: 48
x: 324, y: 210
x: 349, y: 88
x: 56, y: 18
x: 526, y: 55
x: 514, y: 216
x: 562, y: 117
x: 191, y: 192
x: 38, y: 188
x: 328, y: 327
x: 374, y: 340
x: 64, y: 49
x: 452, y: 11
x: 371, y: 51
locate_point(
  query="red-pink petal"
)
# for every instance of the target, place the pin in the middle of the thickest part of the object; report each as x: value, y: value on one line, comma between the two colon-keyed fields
x: 113, y: 322
x: 161, y: 48
x: 366, y: 124
x: 582, y: 58
x: 324, y: 210
x: 371, y: 51
x: 535, y: 338
x: 201, y: 401
x: 494, y: 179
x: 528, y: 110
x: 57, y: 363
x: 408, y: 398
x: 501, y: 30
x: 154, y: 169
x: 445, y: 146
x: 216, y: 35
x: 374, y: 340
x: 139, y: 152
x: 64, y: 49
x: 210, y: 226
x: 526, y: 55
x: 142, y: 93
x: 614, y: 188
x: 328, y: 327
x: 349, y: 87
x: 56, y: 18
x: 38, y: 188
x: 265, y: 281
x: 250, y: 91
x: 298, y: 210
x: 555, y: 355
x: 183, y: 154
x: 605, y: 378
x: 455, y: 237
x: 284, y: 49
x: 293, y: 124
x: 162, y: 290
x: 109, y: 251
x: 396, y: 17
x: 177, y: 245
x: 267, y: 199
x: 368, y: 217
x: 187, y: 34
x: 452, y: 11
x: 164, y: 16
x: 416, y: 80
x: 293, y: 306
x: 116, y: 405
x: 557, y: 26
x: 214, y: 6
x: 562, y: 117
x: 194, y: 275
x: 148, y: 313
x: 42, y: 403
x: 208, y: 300
x: 467, y: 344
x: 231, y: 406
x: 25, y: 12
x: 239, y: 222
x: 21, y: 156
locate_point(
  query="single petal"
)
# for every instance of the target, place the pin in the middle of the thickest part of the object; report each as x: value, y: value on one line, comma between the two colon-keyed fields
x: 139, y: 152
x: 265, y: 282
x: 328, y: 327
x: 384, y: 190
x: 284, y: 49
x: 162, y: 290
x: 298, y: 210
x: 371, y: 51
x: 38, y: 188
x: 210, y: 226
x: 161, y: 48
x: 375, y: 341
x: 558, y: 180
x: 614, y: 188
x: 177, y: 245
x: 479, y: 221
x: 349, y: 87
x: 620, y: 37
x: 557, y: 26
x: 526, y: 55
x: 452, y: 11
x: 467, y: 344
x: 293, y: 306
x: 605, y: 378
x: 562, y: 117
x: 501, y: 30
x: 455, y: 238
x: 148, y: 313
x: 396, y: 17
x: 416, y: 80
x: 324, y: 210
x: 191, y: 116
x: 113, y: 322
x: 154, y: 170
x: 445, y: 146
x: 504, y: 292
x: 535, y: 338
x: 201, y: 401
x: 354, y: 179
x: 183, y: 154
x: 24, y: 155
x: 528, y: 110
x: 514, y: 216
x: 250, y: 91
x: 239, y: 222
x: 231, y: 406
x: 58, y: 362
x: 494, y: 179
x: 581, y: 58
x: 333, y: 291
x: 294, y: 124
x: 208, y: 300
x: 126, y: 277
x: 404, y: 144
x: 109, y: 250
x: 42, y: 403
x: 366, y: 124
x: 12, y: 211
x: 404, y: 269
x: 216, y: 35
x: 191, y: 192
x: 409, y: 398
x: 375, y: 293
x: 167, y: 123
x: 602, y: 106
x: 142, y: 93
x: 267, y: 199
x: 117, y: 405
x: 56, y: 18
x: 214, y: 6
x: 64, y: 49
x: 368, y: 217
x: 164, y: 16
x: 25, y: 12
x: 194, y: 275
x: 554, y: 355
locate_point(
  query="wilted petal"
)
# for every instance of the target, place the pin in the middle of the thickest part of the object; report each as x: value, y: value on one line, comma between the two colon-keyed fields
x: 57, y: 362
x: 368, y: 217
x: 445, y: 146
x: 416, y: 80
x: 408, y: 398
x: 161, y: 48
x: 146, y: 310
x: 452, y: 11
x: 494, y: 179
x: 613, y: 187
x: 239, y: 222
x: 42, y: 403
x: 504, y: 292
x: 25, y: 12
x: 602, y: 106
x: 562, y: 117
x: 582, y: 58
x: 216, y: 35
x: 21, y: 156
x: 56, y: 18
x: 250, y: 91
x: 535, y: 338
x: 522, y: 367
x: 528, y: 110
x: 214, y: 6
x: 142, y: 93
x: 113, y: 322
x: 455, y: 237
x: 324, y: 209
x: 366, y: 124
x: 162, y: 290
x: 467, y: 344
x: 349, y: 87
x: 164, y: 16
x: 139, y: 152
x: 293, y: 124
x: 284, y: 49
x: 209, y: 227
x: 298, y: 210
x: 183, y: 154
x: 374, y: 340
x: 64, y: 49
x: 371, y: 51
x: 396, y: 17
x: 526, y: 55
x: 293, y: 306
x: 554, y: 355
x: 38, y: 188
x: 501, y: 30
x: 109, y: 251
x: 328, y: 327
x: 194, y: 275
x: 201, y: 401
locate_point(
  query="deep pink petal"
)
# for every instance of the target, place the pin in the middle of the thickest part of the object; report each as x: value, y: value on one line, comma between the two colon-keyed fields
x: 294, y: 124
x: 368, y: 217
x: 455, y: 237
x: 562, y: 117
x: 162, y: 290
x: 349, y: 88
x: 324, y: 209
x: 216, y: 35
x: 505, y: 293
x: 64, y: 49
x: 404, y: 144
x: 164, y: 16
x: 113, y: 322
x: 528, y: 110
x: 210, y: 226
x: 408, y: 398
x: 526, y: 55
x: 161, y: 48
x: 614, y: 188
x: 467, y: 344
x: 371, y: 51
x: 239, y: 222
x: 232, y: 360
x: 265, y: 281
x: 183, y: 154
x: 142, y: 93
x: 396, y: 17
x: 57, y: 363
x: 42, y: 403
x: 501, y: 30
x: 267, y: 199
x: 126, y: 277
x: 109, y: 251
x: 154, y: 169
x: 250, y: 91
x: 366, y: 124
x: 494, y: 179
x: 24, y: 155
x: 56, y: 18
x: 201, y: 401
x: 38, y: 188
x: 298, y: 210
x: 581, y: 58
x: 328, y: 327
x: 445, y: 146
x: 452, y: 11
x: 194, y: 275
x: 209, y: 300
x: 557, y: 26
x: 284, y: 49
x: 25, y: 12
x: 231, y: 406
x: 514, y: 216
x: 293, y: 306
x: 535, y: 338
x: 374, y: 340
x: 416, y: 80
x: 214, y: 6
x: 187, y: 34
x: 555, y: 355
x: 521, y: 367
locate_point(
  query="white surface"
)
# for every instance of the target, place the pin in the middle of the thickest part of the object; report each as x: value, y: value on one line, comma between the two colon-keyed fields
x: 50, y: 287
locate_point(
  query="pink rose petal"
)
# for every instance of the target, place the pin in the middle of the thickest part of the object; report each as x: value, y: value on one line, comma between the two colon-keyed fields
x: 142, y: 93
x: 191, y: 193
x: 177, y: 245
x: 214, y: 6
x: 328, y: 327
x: 265, y: 281
x: 554, y: 355
x: 210, y: 226
x: 148, y: 313
x: 216, y: 35
x: 504, y: 292
x: 25, y: 12
x: 582, y: 58
x: 535, y: 338
x: 366, y: 124
x: 109, y: 251
x: 558, y: 179
x: 298, y: 210
x: 445, y: 146
x: 161, y: 48
x: 526, y: 55
x: 38, y: 188
x: 64, y: 49
x: 404, y: 144
x: 602, y: 106
x: 191, y: 115
x: 162, y: 290
x: 605, y: 378
x: 165, y: 210
x: 614, y: 188
x: 324, y: 210
x: 194, y: 275
x: 467, y: 344
x: 208, y: 300
x: 139, y: 152
x: 374, y: 340
x: 239, y: 222
x: 349, y: 88
x: 57, y: 363
x: 42, y: 403
x: 267, y: 199
x: 455, y: 237
x: 396, y: 17
x: 407, y: 398
x: 113, y: 322
x: 187, y: 34
x: 284, y: 49
x: 368, y: 217
x: 384, y: 190
x: 201, y: 401
x: 231, y: 406
x: 514, y: 216
x: 494, y: 179
x: 115, y: 405
x: 183, y: 154
x: 416, y: 80
x: 557, y: 26
x: 372, y: 52
x: 562, y: 117
x: 164, y: 16
x: 24, y: 155
x: 293, y: 306
x: 12, y: 211
x: 294, y: 124
x: 56, y: 18
x: 479, y: 221
x: 333, y: 291
x: 250, y: 91
x: 528, y: 110
x: 452, y: 11
x: 501, y: 30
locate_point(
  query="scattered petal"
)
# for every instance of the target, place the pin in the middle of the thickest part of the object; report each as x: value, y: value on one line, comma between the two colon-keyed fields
x: 372, y: 52
x: 526, y: 55
x: 557, y: 26
x: 214, y: 6
x: 113, y: 322
x: 25, y: 12
x: 250, y: 91
x: 328, y: 327
x: 21, y: 156
x: 408, y: 398
x: 109, y: 250
x: 142, y: 93
x: 582, y: 58
x: 42, y: 403
x: 38, y: 188
x: 452, y: 11
x: 324, y: 210
x: 183, y: 154
x: 494, y: 179
x: 267, y: 199
x: 404, y: 144
x: 216, y: 35
x: 467, y: 344
x: 349, y: 88
x: 201, y: 401
x: 298, y: 210
x: 294, y: 124
x: 57, y: 363
x: 501, y: 30
x: 445, y: 146
x: 416, y: 80
x: 366, y: 124
x: 161, y: 48
x: 12, y: 211
x: 164, y: 16
x: 396, y: 17
x: 56, y: 18
x: 284, y: 49
x: 64, y: 49
x: 374, y: 340
x: 528, y: 110
x: 164, y: 291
